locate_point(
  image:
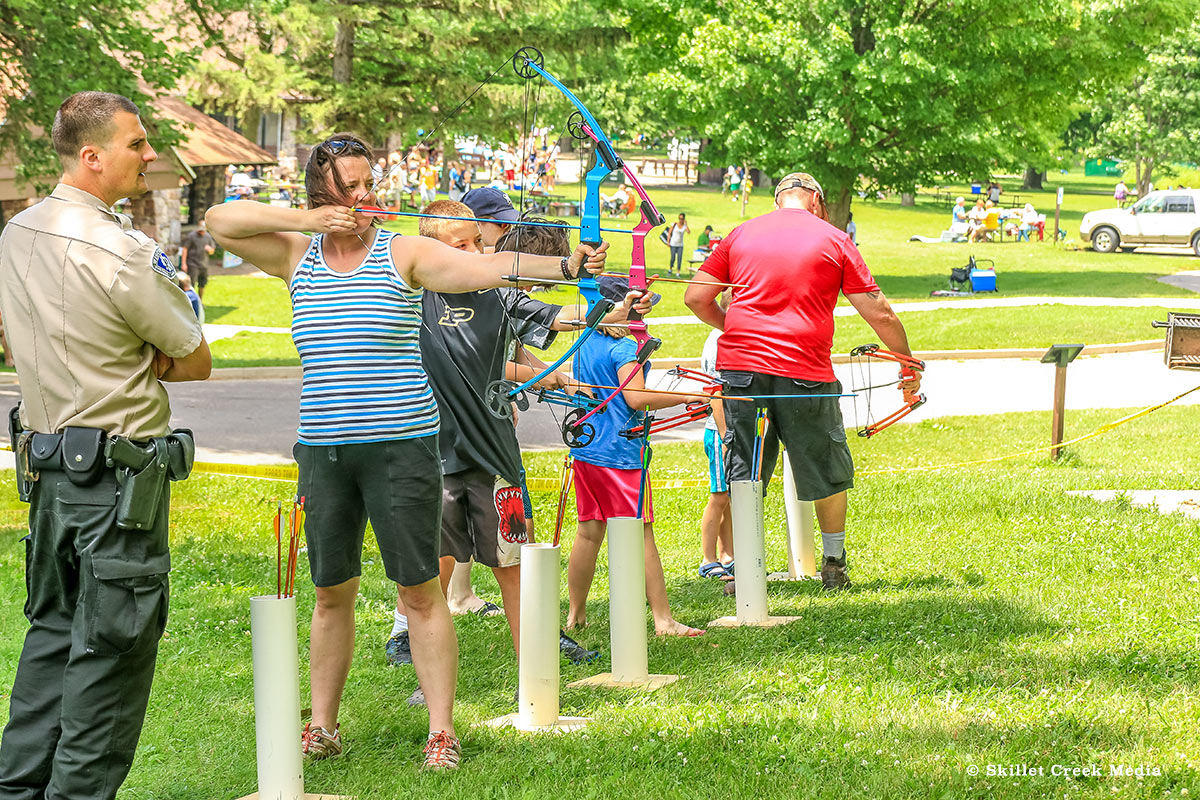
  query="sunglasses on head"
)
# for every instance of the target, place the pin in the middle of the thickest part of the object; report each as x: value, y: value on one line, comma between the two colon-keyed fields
x: 336, y: 147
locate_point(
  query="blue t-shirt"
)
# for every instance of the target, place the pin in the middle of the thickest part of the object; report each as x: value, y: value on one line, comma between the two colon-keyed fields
x: 597, y: 363
x: 194, y: 299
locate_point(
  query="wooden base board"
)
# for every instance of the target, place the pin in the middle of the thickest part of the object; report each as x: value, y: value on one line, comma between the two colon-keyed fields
x: 605, y: 680
x: 769, y: 622
x: 562, y: 725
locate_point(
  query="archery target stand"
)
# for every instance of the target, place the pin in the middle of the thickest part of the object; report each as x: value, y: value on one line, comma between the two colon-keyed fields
x: 273, y: 641
x: 627, y: 612
x: 749, y: 546
x: 802, y: 558
x: 538, y: 672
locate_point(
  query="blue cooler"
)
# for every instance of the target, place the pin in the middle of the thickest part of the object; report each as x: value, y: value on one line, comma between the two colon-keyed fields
x: 983, y: 280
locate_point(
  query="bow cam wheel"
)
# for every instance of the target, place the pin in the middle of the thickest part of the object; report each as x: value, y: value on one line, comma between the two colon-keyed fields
x: 575, y: 126
x: 497, y: 399
x: 576, y: 434
x: 523, y: 58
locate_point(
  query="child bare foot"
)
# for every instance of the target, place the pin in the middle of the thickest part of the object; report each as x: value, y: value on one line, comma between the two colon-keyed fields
x: 468, y: 605
x: 675, y: 628
x: 575, y: 623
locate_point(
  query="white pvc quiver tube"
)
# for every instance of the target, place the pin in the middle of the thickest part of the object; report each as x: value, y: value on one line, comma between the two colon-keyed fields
x: 538, y: 676
x: 802, y: 556
x: 276, y: 697
x: 627, y: 599
x: 748, y: 548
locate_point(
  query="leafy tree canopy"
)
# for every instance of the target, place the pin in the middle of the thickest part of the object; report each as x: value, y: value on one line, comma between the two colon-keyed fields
x: 883, y: 95
x: 1153, y: 120
x: 51, y: 49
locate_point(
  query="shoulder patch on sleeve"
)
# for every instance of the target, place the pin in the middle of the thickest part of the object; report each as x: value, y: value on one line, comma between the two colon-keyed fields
x: 161, y: 264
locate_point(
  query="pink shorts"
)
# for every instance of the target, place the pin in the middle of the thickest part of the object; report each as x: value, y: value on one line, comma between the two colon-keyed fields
x: 605, y: 492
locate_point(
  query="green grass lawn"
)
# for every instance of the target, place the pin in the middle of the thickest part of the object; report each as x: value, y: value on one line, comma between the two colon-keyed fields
x: 993, y: 620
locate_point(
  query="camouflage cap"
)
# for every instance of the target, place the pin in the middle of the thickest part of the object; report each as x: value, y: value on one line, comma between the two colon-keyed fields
x: 799, y: 180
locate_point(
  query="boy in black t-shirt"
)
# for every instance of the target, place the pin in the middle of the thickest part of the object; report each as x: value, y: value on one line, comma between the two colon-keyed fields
x: 463, y: 340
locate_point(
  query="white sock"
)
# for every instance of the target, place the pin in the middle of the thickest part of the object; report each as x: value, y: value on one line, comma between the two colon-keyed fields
x: 833, y: 545
x: 400, y: 624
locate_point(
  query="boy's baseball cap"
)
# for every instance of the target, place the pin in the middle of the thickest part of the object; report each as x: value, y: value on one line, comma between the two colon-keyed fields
x: 615, y: 289
x: 487, y: 202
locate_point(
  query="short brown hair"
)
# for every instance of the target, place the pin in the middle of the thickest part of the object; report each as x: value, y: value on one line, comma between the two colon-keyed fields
x: 433, y: 228
x: 536, y: 240
x: 322, y: 182
x: 86, y: 118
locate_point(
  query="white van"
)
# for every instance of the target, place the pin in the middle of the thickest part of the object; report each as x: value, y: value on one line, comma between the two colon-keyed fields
x: 1160, y: 218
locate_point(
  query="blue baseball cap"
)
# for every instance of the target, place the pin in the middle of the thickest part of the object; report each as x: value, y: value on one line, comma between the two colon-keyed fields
x: 487, y: 202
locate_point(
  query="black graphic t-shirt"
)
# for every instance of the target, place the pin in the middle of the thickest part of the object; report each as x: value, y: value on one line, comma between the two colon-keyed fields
x: 463, y: 350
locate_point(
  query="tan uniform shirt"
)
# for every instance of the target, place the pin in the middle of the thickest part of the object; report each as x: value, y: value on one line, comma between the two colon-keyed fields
x: 85, y: 301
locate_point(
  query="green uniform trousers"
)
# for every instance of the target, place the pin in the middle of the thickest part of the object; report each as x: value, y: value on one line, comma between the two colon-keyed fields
x: 97, y: 607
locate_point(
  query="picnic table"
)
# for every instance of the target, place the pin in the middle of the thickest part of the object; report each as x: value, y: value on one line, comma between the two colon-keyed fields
x: 541, y: 202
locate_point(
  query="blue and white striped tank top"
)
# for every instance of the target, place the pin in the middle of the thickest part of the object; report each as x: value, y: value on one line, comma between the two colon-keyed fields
x: 358, y: 335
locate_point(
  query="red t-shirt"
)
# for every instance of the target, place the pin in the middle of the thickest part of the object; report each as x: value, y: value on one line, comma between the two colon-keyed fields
x: 794, y: 264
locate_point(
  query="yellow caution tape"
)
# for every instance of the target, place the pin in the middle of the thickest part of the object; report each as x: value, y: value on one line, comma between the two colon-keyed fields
x: 1102, y: 429
x: 282, y: 472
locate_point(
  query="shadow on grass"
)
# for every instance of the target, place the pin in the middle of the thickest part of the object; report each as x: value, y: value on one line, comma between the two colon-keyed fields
x: 215, y: 313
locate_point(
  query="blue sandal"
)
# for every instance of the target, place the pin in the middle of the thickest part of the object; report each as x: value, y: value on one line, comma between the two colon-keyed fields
x: 713, y: 569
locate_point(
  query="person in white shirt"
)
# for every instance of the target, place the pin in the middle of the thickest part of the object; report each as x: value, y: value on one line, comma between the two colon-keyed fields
x: 675, y: 242
x: 1029, y: 218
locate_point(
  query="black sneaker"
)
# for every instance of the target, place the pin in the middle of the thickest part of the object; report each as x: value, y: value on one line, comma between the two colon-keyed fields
x: 398, y: 650
x: 834, y: 573
x: 574, y: 651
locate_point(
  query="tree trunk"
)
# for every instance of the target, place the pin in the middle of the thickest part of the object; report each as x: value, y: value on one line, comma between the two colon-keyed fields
x: 343, y: 67
x: 343, y: 52
x: 1033, y: 178
x: 1145, y: 168
x: 908, y: 199
x: 839, y: 208
x: 250, y: 123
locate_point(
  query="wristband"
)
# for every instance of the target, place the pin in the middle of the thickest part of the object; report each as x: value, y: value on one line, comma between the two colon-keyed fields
x: 566, y: 272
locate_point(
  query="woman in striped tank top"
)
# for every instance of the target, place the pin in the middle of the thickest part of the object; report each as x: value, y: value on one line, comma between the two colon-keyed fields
x: 367, y: 446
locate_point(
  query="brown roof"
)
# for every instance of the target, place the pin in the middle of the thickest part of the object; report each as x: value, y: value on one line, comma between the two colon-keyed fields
x: 207, y: 142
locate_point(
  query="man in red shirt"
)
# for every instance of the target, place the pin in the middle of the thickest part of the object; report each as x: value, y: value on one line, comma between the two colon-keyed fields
x: 778, y: 334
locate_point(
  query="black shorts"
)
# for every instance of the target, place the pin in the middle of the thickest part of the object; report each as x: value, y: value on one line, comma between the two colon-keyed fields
x: 199, y: 274
x: 811, y: 430
x: 396, y: 485
x: 483, y: 517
